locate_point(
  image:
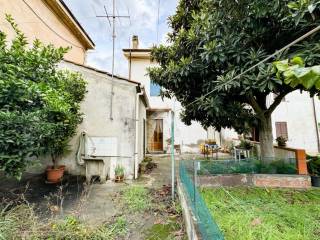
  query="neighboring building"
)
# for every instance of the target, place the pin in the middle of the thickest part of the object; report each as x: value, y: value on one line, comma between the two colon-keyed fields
x: 114, y: 119
x: 120, y: 140
x: 297, y: 118
x: 50, y: 21
x: 159, y: 113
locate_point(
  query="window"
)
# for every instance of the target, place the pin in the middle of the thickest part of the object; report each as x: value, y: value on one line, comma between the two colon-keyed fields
x: 154, y: 89
x: 281, y: 129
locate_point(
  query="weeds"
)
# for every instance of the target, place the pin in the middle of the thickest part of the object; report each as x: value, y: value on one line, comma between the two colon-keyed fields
x: 71, y: 228
x: 20, y: 222
x: 136, y: 199
x: 257, y: 213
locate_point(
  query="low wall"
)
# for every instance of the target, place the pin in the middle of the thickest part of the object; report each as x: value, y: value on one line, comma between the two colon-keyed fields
x: 189, y: 219
x: 255, y: 180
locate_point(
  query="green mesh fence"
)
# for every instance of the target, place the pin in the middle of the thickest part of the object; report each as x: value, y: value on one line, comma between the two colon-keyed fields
x: 189, y: 170
x: 249, y: 165
x: 207, y: 226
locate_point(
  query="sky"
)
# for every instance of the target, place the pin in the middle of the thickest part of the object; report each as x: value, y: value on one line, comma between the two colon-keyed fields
x: 143, y: 22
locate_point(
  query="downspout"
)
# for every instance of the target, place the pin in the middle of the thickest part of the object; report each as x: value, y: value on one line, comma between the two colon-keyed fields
x: 136, y: 149
x: 130, y: 65
x: 81, y: 152
x: 316, y: 123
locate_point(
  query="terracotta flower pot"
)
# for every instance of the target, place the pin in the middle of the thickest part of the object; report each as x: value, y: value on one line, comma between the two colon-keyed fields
x: 119, y: 179
x: 54, y: 175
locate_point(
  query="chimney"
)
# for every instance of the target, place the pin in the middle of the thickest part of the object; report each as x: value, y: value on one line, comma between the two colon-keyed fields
x: 135, y: 42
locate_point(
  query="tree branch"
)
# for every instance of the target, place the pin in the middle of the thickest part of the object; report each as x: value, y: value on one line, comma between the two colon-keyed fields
x: 276, y: 102
x: 255, y: 105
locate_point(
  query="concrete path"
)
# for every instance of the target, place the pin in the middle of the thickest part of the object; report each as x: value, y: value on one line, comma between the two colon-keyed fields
x: 98, y: 203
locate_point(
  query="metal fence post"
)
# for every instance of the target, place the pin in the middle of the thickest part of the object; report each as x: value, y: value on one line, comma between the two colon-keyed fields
x: 194, y: 183
x: 172, y: 155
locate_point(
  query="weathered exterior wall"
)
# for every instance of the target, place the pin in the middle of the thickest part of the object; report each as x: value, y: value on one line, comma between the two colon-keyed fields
x: 96, y: 122
x: 297, y: 111
x: 184, y: 135
x: 33, y: 28
x: 139, y: 73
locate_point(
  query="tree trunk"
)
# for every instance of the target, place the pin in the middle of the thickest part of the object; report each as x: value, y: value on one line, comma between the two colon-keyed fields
x: 266, y: 140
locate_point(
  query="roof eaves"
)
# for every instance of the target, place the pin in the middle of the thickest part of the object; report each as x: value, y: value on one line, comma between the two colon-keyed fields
x: 76, y: 20
x: 66, y: 16
x: 102, y: 71
x: 136, y: 50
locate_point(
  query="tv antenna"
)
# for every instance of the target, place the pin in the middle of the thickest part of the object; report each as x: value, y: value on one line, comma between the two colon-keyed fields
x: 113, y: 17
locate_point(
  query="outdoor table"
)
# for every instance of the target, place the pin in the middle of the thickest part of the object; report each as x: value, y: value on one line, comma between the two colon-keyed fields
x: 239, y: 151
x: 213, y: 147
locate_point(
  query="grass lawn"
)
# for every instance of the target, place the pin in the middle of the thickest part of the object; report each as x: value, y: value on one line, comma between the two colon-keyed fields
x: 265, y: 214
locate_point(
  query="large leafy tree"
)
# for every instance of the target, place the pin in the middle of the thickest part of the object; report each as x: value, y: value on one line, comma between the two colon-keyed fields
x: 39, y: 104
x: 213, y: 41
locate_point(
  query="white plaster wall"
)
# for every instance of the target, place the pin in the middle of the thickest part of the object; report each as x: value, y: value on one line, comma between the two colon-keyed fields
x: 297, y: 111
x: 139, y: 72
x: 96, y: 122
x: 225, y: 137
x: 184, y: 135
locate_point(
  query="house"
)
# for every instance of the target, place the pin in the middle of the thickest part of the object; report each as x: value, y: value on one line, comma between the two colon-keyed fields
x: 158, y: 125
x: 51, y: 21
x: 114, y: 123
x: 297, y: 118
x: 114, y: 109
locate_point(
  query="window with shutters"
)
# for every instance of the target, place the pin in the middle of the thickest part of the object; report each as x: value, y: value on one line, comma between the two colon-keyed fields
x: 282, y: 129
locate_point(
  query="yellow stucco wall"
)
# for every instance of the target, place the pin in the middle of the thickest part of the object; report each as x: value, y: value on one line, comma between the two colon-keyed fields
x: 33, y: 27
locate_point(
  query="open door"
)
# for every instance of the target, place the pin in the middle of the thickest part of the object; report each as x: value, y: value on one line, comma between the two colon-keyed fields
x: 157, y: 138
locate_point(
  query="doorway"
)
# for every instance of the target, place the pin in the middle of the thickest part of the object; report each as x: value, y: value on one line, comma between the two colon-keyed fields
x: 157, y: 137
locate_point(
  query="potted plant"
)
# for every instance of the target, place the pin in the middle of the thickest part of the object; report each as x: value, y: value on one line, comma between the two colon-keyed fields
x: 119, y: 173
x: 55, y: 171
x: 282, y: 141
x: 314, y: 170
x: 245, y: 144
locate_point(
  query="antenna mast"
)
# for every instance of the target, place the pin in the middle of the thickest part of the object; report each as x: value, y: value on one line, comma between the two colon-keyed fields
x: 113, y: 16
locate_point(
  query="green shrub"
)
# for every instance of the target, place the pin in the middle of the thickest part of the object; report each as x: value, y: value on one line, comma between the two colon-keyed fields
x: 276, y: 166
x: 39, y: 104
x: 314, y: 166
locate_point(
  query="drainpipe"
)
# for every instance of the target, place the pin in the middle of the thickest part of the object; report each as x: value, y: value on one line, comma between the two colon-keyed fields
x: 130, y: 65
x: 316, y: 123
x: 136, y: 149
